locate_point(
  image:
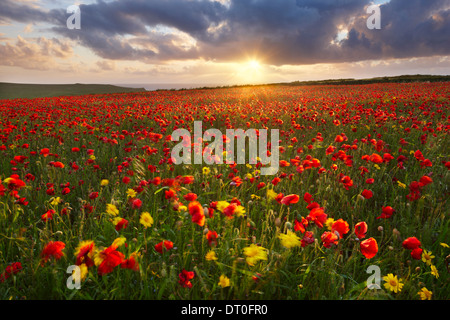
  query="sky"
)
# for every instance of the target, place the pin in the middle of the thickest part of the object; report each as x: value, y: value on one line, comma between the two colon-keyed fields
x: 221, y: 42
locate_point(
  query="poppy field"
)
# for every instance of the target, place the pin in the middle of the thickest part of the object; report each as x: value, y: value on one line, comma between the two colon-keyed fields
x: 357, y: 210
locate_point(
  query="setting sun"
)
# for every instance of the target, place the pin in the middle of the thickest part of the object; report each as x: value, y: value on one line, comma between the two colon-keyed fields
x: 254, y: 65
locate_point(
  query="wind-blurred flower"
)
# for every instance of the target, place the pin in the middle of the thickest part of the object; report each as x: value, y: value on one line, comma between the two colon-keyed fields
x: 255, y: 253
x: 112, y: 209
x: 289, y: 240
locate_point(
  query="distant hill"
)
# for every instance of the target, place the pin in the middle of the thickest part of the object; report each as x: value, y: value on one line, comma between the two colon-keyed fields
x: 25, y: 90
x: 394, y: 79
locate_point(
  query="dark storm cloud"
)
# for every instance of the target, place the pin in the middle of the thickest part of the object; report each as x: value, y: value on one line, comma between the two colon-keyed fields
x: 281, y: 31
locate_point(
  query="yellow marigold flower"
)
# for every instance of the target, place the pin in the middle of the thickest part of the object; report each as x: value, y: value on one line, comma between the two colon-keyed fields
x: 119, y: 242
x: 83, y: 272
x: 434, y: 271
x: 56, y: 201
x: 256, y: 173
x: 402, y: 185
x: 104, y: 182
x: 146, y: 219
x: 222, y: 205
x: 425, y: 294
x: 427, y: 256
x: 289, y: 240
x: 271, y: 194
x: 254, y: 253
x: 112, y: 209
x: 206, y: 170
x: 377, y: 166
x: 92, y: 157
x: 182, y: 208
x: 249, y: 175
x: 239, y: 211
x: 329, y: 222
x: 224, y: 281
x: 211, y: 255
x: 392, y: 283
x: 255, y: 197
x: 131, y: 193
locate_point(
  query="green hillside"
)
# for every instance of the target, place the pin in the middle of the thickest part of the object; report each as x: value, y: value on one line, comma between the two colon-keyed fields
x: 24, y: 90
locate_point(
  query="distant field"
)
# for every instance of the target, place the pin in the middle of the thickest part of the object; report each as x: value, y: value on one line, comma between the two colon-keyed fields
x: 24, y: 90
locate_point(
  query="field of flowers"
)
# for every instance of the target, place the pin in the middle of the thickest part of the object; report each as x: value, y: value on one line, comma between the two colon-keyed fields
x: 361, y: 196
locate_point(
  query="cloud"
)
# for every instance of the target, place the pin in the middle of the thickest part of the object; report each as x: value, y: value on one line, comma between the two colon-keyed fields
x: 278, y: 32
x: 35, y: 53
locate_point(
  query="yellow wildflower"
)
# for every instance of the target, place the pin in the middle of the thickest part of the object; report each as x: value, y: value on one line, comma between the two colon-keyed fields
x: 255, y: 253
x: 211, y: 255
x: 425, y: 294
x: 224, y: 281
x: 434, y: 271
x: 289, y: 240
x: 146, y: 219
x: 329, y: 222
x: 119, y: 242
x: 131, y: 193
x: 392, y: 283
x: 112, y: 209
x: 427, y: 256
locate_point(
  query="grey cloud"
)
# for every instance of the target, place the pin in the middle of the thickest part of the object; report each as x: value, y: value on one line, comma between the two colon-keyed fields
x: 281, y: 32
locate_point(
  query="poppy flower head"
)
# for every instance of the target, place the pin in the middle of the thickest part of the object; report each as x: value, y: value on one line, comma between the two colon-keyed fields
x: 369, y: 248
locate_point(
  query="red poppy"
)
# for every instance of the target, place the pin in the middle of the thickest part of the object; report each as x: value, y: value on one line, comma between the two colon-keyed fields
x: 53, y: 249
x: 411, y: 243
x: 386, y: 212
x: 361, y: 230
x: 211, y: 236
x: 164, y: 245
x: 135, y: 203
x: 300, y: 225
x: 130, y: 263
x: 292, y: 198
x: 308, y: 238
x: 93, y: 195
x: 110, y: 258
x: 369, y: 248
x: 347, y: 182
x: 190, y: 196
x: 340, y: 226
x: 367, y: 194
x: 375, y: 158
x: 45, y: 152
x: 425, y: 180
x: 416, y: 253
x: 307, y: 197
x: 185, y: 277
x: 318, y: 216
x: 197, y: 213
x: 122, y: 224
x: 329, y: 239
x: 48, y: 215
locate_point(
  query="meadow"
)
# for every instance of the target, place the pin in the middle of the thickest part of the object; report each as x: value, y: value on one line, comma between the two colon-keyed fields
x: 360, y: 198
